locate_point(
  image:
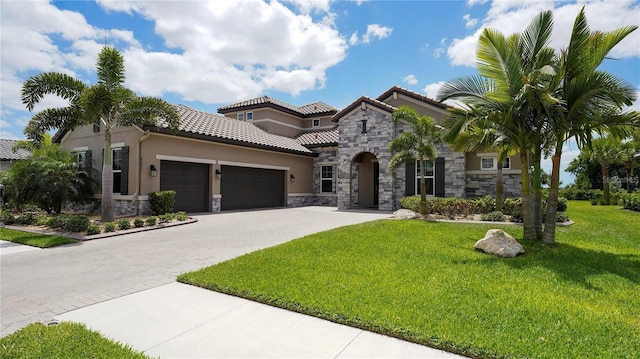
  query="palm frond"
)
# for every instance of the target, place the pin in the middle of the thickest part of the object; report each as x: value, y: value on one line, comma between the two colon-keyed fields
x: 50, y: 119
x: 110, y: 68
x: 50, y: 83
x: 147, y: 111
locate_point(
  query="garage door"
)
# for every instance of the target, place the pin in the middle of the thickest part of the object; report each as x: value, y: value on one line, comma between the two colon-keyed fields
x: 191, y: 183
x: 244, y: 188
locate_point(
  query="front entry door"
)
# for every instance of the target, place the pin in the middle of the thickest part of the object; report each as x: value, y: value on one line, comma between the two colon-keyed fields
x: 376, y: 182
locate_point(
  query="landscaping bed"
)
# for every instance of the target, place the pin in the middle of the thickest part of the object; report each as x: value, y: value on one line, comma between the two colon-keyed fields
x: 422, y: 281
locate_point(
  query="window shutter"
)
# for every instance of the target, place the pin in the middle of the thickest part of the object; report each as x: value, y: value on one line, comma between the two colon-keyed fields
x: 410, y: 175
x: 439, y: 168
x: 124, y: 176
x: 87, y: 162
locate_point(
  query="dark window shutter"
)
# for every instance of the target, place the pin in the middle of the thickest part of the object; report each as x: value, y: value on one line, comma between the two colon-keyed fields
x: 124, y: 176
x: 439, y: 168
x: 87, y: 162
x: 410, y: 175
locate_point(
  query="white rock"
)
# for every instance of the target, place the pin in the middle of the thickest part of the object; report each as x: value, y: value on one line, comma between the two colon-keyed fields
x: 404, y: 214
x: 497, y: 242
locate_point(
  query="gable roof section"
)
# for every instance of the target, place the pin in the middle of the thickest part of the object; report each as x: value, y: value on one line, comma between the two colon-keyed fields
x: 413, y: 95
x: 313, y: 109
x: 7, y: 153
x: 319, y: 138
x: 357, y: 103
x: 217, y: 128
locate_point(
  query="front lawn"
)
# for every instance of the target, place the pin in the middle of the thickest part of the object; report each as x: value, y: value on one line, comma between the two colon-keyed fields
x: 422, y: 281
x: 34, y: 239
x: 66, y: 340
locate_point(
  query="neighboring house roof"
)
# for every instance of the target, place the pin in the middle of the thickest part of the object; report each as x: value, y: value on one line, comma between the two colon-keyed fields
x: 357, y: 103
x: 217, y: 128
x: 313, y: 109
x: 319, y: 138
x: 7, y: 153
x: 411, y: 94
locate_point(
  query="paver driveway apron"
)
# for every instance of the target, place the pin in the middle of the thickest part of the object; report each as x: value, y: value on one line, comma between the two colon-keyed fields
x: 41, y: 284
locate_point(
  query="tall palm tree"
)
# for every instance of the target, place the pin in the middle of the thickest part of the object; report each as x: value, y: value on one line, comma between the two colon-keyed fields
x: 107, y: 103
x: 606, y: 151
x: 630, y: 150
x: 511, y: 70
x: 416, y: 144
x: 588, y: 99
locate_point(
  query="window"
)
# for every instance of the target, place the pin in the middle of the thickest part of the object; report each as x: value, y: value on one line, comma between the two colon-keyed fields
x: 117, y: 169
x: 429, y: 177
x: 316, y: 122
x: 506, y: 164
x: 326, y: 179
x: 249, y: 116
x: 488, y: 163
x: 240, y: 116
x: 364, y: 126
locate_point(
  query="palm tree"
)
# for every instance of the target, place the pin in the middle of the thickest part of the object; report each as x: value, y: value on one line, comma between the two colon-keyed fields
x: 510, y: 71
x: 588, y: 99
x: 630, y: 150
x: 480, y: 136
x: 107, y: 103
x: 606, y: 151
x: 416, y: 144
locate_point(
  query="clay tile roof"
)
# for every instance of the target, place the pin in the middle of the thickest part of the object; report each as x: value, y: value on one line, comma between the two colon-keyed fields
x: 316, y: 108
x: 319, y: 138
x: 194, y: 123
x: 412, y: 94
x: 379, y: 104
x: 7, y: 153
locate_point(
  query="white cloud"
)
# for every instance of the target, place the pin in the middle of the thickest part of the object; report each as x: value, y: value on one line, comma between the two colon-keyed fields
x: 471, y: 3
x: 441, y: 49
x: 513, y: 16
x: 308, y: 6
x: 469, y: 21
x: 376, y: 31
x: 410, y: 79
x: 353, y: 40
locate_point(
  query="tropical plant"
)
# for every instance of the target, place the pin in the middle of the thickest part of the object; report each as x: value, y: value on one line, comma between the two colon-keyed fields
x: 47, y: 178
x: 630, y: 155
x: 511, y: 73
x: 588, y: 100
x: 107, y: 103
x: 415, y: 144
x: 605, y: 150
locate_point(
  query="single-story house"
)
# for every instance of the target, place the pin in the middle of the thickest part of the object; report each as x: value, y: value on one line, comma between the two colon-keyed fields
x: 263, y: 153
x: 8, y: 156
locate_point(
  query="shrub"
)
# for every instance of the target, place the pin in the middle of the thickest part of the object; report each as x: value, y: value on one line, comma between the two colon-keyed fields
x: 484, y: 204
x: 162, y: 202
x: 27, y: 218
x: 151, y: 221
x: 138, y: 223
x: 562, y: 204
x: 516, y: 216
x: 562, y: 217
x: 451, y: 207
x: 166, y: 218
x: 181, y: 216
x: 56, y: 221
x: 76, y: 224
x: 109, y: 227
x: 93, y: 229
x: 495, y: 216
x: 124, y: 224
x: 7, y: 217
x: 511, y: 206
x: 631, y: 201
x: 411, y: 203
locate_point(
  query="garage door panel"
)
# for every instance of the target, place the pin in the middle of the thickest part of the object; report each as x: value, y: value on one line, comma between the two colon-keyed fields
x: 190, y: 181
x: 245, y: 188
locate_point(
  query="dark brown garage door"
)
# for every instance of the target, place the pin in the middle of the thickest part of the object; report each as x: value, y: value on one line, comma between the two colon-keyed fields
x: 244, y: 188
x: 191, y: 183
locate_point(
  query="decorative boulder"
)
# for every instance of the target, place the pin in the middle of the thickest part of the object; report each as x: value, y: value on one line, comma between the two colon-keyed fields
x: 404, y: 214
x: 497, y: 242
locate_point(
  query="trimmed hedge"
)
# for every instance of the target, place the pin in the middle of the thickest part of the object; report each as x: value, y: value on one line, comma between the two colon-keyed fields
x: 162, y: 202
x: 631, y: 201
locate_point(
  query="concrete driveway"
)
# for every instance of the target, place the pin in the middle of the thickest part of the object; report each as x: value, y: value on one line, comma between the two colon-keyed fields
x: 39, y: 285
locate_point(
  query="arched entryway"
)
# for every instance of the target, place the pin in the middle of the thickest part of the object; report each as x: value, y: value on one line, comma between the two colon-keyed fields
x: 365, y: 181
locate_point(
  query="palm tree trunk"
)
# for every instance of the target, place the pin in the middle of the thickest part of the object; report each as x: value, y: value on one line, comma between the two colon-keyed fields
x: 527, y: 216
x: 107, y: 180
x: 499, y: 187
x: 549, y: 236
x: 537, y: 192
x: 423, y: 189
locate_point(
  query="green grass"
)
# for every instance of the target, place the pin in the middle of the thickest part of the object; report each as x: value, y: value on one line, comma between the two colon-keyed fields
x: 34, y: 239
x: 66, y: 340
x: 422, y: 281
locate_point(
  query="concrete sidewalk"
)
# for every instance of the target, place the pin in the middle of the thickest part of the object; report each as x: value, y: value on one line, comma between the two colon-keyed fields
x: 7, y: 247
x: 181, y: 321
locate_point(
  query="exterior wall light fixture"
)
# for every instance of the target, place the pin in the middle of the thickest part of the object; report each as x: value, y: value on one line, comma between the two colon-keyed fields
x: 153, y: 170
x: 218, y: 173
x: 292, y: 177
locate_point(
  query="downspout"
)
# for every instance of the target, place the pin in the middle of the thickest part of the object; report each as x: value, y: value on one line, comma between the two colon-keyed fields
x: 144, y: 137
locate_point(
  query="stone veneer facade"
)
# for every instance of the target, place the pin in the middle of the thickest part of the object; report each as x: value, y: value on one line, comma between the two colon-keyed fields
x: 480, y: 185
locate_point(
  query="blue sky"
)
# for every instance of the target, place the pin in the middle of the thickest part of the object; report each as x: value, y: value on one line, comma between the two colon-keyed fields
x: 209, y: 54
